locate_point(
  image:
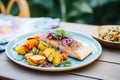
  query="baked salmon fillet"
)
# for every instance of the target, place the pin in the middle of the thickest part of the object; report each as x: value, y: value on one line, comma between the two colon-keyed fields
x: 76, y: 50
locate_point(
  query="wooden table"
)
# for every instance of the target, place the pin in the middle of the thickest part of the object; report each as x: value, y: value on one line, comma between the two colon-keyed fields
x: 107, y: 66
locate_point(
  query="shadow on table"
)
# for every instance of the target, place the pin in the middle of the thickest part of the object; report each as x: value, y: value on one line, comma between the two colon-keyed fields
x: 4, y: 78
x: 24, y: 69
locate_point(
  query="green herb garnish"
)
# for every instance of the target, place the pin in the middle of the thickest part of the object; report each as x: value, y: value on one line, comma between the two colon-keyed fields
x: 66, y: 63
x: 61, y: 33
x: 35, y: 50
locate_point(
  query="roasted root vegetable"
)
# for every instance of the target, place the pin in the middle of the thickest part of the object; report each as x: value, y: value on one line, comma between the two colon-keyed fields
x: 32, y: 42
x: 42, y: 45
x: 27, y: 57
x: 49, y: 53
x: 53, y: 56
x: 64, y: 56
x: 31, y: 62
x: 38, y: 59
x: 20, y: 49
x: 36, y: 37
x: 57, y: 59
x: 41, y: 53
x: 34, y: 60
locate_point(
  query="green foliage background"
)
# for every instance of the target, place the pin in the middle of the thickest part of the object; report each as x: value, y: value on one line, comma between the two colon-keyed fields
x: 98, y: 12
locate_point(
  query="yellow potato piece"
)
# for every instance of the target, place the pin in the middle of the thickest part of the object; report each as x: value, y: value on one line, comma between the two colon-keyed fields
x: 49, y: 53
x: 28, y: 55
x: 52, y: 55
x: 20, y: 50
x: 31, y: 62
x: 57, y: 59
x: 38, y: 59
x: 41, y: 46
x: 41, y: 53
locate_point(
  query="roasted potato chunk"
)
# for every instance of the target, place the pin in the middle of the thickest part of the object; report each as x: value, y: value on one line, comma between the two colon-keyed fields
x: 52, y: 55
x: 31, y: 62
x: 20, y: 50
x: 41, y: 46
x: 34, y: 60
x: 49, y: 53
x: 28, y: 55
x: 41, y: 53
x: 57, y: 59
x: 37, y: 59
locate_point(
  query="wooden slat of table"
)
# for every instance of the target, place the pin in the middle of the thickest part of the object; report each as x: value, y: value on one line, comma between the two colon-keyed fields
x: 101, y: 70
x: 3, y: 56
x: 110, y: 55
x: 13, y: 71
x: 96, y: 70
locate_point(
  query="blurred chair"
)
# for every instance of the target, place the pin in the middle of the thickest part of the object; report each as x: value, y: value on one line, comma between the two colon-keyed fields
x: 23, y: 5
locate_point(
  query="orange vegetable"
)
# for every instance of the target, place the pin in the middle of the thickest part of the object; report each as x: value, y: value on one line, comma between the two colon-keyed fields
x: 26, y: 46
x: 37, y: 37
x: 118, y: 36
x: 64, y: 56
x: 32, y: 43
x: 112, y: 33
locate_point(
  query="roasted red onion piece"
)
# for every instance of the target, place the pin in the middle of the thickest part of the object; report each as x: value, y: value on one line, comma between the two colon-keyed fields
x: 67, y: 41
x: 50, y: 35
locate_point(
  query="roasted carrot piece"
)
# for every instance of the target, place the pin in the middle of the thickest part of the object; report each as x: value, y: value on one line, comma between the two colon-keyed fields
x: 37, y: 37
x: 64, y: 56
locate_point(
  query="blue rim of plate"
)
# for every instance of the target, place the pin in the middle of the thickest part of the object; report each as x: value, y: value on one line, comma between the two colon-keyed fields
x: 97, y: 50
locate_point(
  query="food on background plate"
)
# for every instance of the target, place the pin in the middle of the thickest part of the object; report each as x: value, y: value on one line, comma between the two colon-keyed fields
x: 110, y: 33
x: 52, y: 48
